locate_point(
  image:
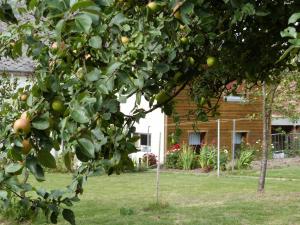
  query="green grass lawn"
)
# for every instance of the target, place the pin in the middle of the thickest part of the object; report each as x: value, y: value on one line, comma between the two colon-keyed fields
x: 292, y: 172
x: 190, y: 199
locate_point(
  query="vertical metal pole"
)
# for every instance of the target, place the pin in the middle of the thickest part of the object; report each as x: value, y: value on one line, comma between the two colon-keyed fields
x: 148, y: 144
x: 218, y: 147
x: 233, y: 144
x: 157, y: 171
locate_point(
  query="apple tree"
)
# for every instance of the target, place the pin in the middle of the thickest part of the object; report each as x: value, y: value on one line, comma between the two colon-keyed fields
x: 90, y: 57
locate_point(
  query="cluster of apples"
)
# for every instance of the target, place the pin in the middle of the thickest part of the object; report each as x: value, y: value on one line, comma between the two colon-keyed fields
x: 23, y: 126
x: 153, y: 7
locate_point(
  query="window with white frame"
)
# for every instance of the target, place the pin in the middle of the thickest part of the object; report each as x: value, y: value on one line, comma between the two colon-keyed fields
x: 196, y: 139
x: 144, y: 143
x: 235, y: 99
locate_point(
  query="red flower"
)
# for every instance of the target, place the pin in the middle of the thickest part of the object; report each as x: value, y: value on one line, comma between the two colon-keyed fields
x: 175, y: 148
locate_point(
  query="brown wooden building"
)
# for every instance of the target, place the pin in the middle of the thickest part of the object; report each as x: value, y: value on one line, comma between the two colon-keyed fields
x: 245, y: 112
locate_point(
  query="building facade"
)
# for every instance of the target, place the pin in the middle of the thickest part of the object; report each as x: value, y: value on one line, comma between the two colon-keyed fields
x: 236, y: 114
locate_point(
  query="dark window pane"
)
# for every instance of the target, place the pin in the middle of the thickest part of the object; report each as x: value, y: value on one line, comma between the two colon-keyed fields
x: 144, y: 139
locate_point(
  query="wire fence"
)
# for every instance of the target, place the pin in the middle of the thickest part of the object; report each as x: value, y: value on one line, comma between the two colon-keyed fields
x: 286, y: 145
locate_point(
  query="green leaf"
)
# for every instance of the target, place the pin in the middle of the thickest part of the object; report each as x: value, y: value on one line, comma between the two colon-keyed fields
x: 289, y: 32
x: 53, y: 217
x: 295, y: 42
x: 46, y: 159
x: 35, y: 168
x: 69, y: 216
x: 14, y: 154
x: 13, y: 168
x: 3, y: 195
x: 116, y: 158
x: 42, y: 122
x: 81, y: 4
x: 80, y: 115
x: 112, y: 68
x: 294, y: 18
x: 6, y: 14
x: 59, y: 27
x: 79, y: 154
x: 285, y: 54
x: 83, y: 23
x: 162, y: 68
x: 262, y: 13
x: 95, y: 42
x: 87, y: 147
x: 93, y: 75
x: 118, y: 19
x: 139, y: 83
x: 68, y: 160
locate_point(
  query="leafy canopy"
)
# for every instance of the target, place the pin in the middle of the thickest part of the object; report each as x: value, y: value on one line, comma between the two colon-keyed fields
x: 91, y: 56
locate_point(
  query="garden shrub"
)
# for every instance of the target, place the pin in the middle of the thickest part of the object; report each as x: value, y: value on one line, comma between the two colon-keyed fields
x: 223, y: 159
x: 245, y: 160
x: 195, y: 163
x: 256, y: 149
x: 172, y: 160
x: 186, y: 157
x: 152, y: 161
x: 208, y: 158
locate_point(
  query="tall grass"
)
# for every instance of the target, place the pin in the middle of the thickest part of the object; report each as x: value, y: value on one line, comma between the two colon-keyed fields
x: 245, y: 160
x: 186, y: 157
x: 207, y: 157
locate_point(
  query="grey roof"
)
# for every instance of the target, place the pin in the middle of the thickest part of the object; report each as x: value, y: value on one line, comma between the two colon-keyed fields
x: 22, y: 64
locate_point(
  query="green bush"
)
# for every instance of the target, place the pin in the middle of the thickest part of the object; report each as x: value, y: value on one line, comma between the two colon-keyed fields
x: 245, y: 160
x: 208, y: 158
x: 172, y: 160
x: 223, y: 161
x: 186, y: 157
x: 195, y: 163
x: 256, y: 149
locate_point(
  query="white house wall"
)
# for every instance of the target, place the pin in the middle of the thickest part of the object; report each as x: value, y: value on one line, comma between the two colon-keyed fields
x: 153, y: 120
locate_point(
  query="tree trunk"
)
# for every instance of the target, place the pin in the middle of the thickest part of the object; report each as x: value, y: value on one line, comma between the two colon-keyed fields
x: 267, y: 114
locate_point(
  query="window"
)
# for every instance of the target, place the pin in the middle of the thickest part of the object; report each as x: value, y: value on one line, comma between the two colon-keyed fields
x: 237, y: 93
x: 196, y: 139
x: 144, y: 144
x: 235, y: 98
x: 144, y: 139
x: 240, y: 138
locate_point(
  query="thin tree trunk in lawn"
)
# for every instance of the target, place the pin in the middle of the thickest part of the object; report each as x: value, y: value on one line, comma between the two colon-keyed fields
x: 264, y: 161
x: 267, y: 114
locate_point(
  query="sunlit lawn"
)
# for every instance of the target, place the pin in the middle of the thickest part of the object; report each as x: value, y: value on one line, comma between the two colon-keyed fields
x: 192, y: 199
x: 292, y: 172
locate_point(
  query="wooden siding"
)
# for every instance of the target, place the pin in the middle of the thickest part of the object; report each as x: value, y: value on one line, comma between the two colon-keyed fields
x: 228, y: 111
